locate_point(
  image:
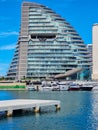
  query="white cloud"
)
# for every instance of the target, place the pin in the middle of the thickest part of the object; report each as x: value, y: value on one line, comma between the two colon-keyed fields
x: 8, y: 47
x: 6, y: 34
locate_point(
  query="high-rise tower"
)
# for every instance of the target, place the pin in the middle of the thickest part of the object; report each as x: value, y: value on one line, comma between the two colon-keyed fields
x: 47, y: 45
x: 95, y: 51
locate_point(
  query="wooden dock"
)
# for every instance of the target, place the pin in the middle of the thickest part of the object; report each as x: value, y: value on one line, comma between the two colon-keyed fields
x: 10, y: 105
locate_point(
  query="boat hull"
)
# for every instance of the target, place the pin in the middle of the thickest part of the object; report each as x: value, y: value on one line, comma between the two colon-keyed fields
x: 86, y: 88
x: 73, y: 89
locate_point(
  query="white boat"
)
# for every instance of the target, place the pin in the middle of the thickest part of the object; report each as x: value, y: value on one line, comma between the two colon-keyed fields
x: 86, y: 86
x: 95, y: 87
x: 46, y: 86
x: 55, y: 86
x: 30, y: 86
x: 49, y: 86
x: 73, y: 87
x: 63, y: 86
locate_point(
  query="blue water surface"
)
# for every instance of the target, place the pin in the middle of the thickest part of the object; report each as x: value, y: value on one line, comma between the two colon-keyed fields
x: 79, y: 111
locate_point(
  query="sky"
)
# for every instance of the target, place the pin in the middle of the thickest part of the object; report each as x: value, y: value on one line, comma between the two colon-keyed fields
x: 81, y: 14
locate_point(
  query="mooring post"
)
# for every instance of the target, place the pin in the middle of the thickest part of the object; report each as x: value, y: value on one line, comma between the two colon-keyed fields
x: 9, y: 113
x: 57, y: 106
x: 36, y: 109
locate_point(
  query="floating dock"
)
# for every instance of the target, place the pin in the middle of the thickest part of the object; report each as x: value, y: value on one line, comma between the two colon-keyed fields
x: 10, y: 105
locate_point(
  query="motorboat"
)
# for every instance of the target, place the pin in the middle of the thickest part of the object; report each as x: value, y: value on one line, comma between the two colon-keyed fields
x: 30, y: 86
x: 46, y: 86
x: 63, y: 86
x: 49, y: 86
x: 95, y: 86
x: 55, y: 86
x: 86, y: 87
x: 73, y: 87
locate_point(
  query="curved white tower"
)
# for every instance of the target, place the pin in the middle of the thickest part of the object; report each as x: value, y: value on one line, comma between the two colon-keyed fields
x: 47, y: 46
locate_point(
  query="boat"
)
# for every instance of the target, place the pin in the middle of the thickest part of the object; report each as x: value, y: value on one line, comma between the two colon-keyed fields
x: 55, y: 86
x: 86, y: 87
x: 46, y: 86
x: 73, y: 87
x: 50, y: 86
x: 95, y: 86
x: 30, y: 86
x: 63, y: 86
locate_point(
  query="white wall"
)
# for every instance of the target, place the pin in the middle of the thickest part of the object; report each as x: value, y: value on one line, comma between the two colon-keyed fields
x: 95, y: 51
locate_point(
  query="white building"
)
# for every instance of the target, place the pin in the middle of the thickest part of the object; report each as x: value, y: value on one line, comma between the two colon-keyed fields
x: 89, y: 49
x: 95, y: 51
x: 48, y: 45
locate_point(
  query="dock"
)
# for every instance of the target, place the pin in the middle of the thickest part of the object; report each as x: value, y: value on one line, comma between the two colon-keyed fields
x: 10, y: 105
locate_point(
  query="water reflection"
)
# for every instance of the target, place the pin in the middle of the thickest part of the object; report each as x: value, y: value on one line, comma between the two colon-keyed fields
x: 95, y: 110
x: 78, y: 111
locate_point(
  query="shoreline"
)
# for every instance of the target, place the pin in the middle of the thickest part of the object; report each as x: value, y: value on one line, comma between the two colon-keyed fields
x: 11, y: 89
x: 12, y: 86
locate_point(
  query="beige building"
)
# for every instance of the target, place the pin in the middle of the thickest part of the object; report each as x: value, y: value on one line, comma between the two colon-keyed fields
x: 95, y: 51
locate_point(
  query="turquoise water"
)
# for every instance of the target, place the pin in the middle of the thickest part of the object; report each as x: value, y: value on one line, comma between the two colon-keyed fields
x: 79, y: 111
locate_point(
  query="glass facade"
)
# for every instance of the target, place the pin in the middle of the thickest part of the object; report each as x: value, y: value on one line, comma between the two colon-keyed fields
x: 48, y: 45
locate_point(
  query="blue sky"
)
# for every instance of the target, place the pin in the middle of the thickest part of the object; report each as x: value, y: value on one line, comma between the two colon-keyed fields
x: 81, y: 14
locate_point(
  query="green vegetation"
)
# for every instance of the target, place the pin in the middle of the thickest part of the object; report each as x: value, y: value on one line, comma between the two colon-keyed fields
x: 13, y: 87
x: 2, y: 78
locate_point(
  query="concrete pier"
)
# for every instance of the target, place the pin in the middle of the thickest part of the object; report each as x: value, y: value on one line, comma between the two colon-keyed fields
x: 11, y: 105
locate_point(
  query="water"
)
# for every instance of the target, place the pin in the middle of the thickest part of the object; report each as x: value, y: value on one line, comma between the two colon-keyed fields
x: 79, y: 111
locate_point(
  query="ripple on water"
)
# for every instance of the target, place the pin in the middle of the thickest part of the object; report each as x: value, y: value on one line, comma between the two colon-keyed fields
x: 79, y: 111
